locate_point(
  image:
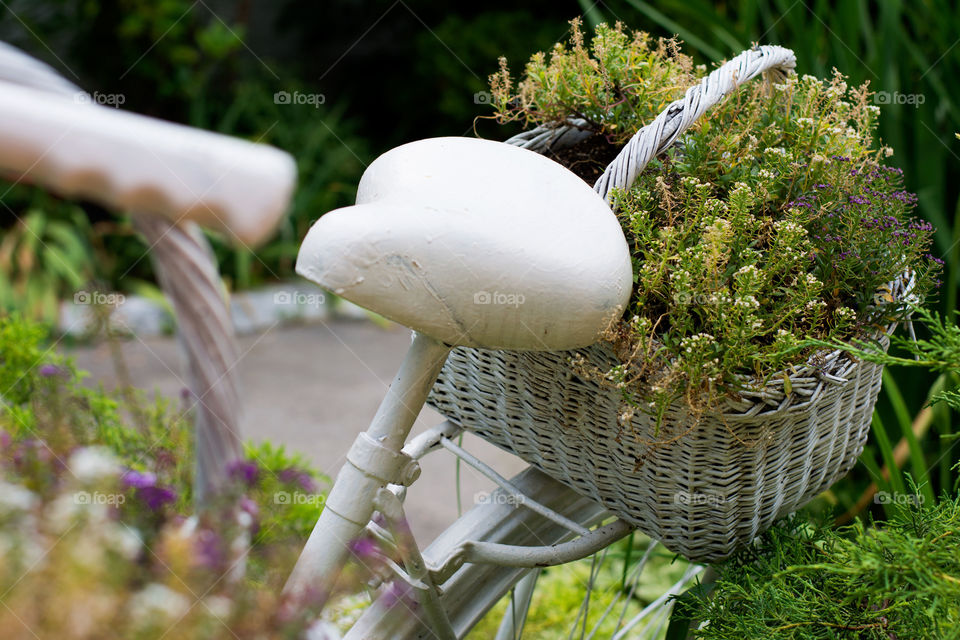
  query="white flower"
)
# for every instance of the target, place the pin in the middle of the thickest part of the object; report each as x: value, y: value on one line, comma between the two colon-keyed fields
x: 158, y: 600
x: 123, y: 540
x: 845, y: 313
x: 93, y: 463
x: 218, y: 606
x: 66, y: 508
x: 13, y: 497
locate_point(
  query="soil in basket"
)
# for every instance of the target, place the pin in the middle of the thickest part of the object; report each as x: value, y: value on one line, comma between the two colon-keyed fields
x: 587, y: 158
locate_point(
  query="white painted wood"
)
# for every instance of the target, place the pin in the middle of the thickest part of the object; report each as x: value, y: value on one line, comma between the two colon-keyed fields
x: 476, y: 243
x: 130, y: 162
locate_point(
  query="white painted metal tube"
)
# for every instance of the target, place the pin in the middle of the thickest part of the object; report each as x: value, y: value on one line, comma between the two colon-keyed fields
x: 514, y: 556
x: 350, y: 503
x: 519, y: 498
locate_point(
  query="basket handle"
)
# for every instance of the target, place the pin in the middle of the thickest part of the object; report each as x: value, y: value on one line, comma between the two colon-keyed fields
x: 657, y: 136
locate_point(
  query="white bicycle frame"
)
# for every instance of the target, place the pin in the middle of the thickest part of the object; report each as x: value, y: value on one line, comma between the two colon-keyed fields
x: 377, y: 471
x: 174, y: 177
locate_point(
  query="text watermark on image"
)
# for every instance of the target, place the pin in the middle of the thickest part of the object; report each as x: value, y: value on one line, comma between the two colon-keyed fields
x: 483, y: 97
x: 885, y: 497
x: 498, y: 497
x: 115, y: 100
x: 96, y: 497
x: 298, y: 97
x: 697, y: 498
x: 499, y: 298
x: 895, y: 97
x: 298, y: 299
x: 299, y: 497
x: 98, y: 298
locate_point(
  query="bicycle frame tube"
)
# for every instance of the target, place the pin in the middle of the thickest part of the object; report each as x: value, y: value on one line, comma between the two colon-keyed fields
x: 374, y: 460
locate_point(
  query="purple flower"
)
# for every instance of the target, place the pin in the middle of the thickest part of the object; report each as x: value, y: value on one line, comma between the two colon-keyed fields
x: 296, y: 476
x: 50, y: 370
x: 245, y: 471
x: 363, y: 548
x: 209, y: 549
x: 139, y: 480
x: 155, y: 497
x: 5, y: 439
x: 400, y: 591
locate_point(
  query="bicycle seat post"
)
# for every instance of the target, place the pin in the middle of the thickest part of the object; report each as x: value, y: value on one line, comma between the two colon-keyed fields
x: 374, y: 460
x: 537, y: 263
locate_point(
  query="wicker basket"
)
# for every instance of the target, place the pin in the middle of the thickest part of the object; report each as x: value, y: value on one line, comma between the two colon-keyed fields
x: 717, y: 485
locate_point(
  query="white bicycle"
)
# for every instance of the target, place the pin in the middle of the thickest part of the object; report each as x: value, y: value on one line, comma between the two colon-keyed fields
x: 469, y: 243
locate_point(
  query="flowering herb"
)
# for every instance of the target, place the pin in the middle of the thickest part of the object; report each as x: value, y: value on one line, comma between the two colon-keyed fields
x: 245, y: 471
x: 772, y: 221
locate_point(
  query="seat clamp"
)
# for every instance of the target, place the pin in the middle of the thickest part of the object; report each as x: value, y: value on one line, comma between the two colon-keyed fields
x: 382, y: 463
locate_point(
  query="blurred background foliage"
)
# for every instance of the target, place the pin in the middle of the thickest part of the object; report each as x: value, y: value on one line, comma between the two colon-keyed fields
x: 392, y: 71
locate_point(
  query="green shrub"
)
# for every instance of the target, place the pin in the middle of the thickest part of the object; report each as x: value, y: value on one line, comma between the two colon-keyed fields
x: 772, y: 219
x: 176, y: 60
x: 96, y: 533
x: 894, y: 579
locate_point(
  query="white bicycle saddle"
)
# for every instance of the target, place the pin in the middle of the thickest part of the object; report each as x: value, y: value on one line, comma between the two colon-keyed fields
x: 476, y: 243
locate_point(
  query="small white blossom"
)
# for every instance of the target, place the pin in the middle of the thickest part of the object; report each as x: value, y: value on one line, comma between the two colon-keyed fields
x: 13, y: 497
x: 93, y: 463
x: 157, y: 600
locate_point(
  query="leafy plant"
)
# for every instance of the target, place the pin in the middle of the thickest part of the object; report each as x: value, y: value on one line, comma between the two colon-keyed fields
x: 772, y: 220
x: 47, y: 258
x: 179, y: 61
x: 617, y: 83
x: 894, y: 579
x: 96, y: 537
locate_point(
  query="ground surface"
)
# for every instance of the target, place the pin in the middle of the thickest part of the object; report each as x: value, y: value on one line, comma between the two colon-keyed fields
x: 311, y: 388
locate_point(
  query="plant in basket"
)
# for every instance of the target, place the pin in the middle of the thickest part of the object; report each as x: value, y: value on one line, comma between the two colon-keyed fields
x: 762, y: 222
x: 771, y: 221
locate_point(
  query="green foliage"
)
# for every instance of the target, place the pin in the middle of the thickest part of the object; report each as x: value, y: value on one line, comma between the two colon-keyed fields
x: 46, y: 258
x: 617, y: 84
x: 771, y: 221
x: 557, y: 606
x: 899, y: 47
x: 899, y: 578
x: 179, y: 61
x: 940, y: 352
x: 94, y: 504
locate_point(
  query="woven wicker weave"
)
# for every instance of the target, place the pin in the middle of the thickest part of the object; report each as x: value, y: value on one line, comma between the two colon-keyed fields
x: 716, y: 486
x: 702, y: 491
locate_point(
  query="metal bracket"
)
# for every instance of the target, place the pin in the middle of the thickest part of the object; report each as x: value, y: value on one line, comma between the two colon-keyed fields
x: 377, y: 461
x: 416, y: 573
